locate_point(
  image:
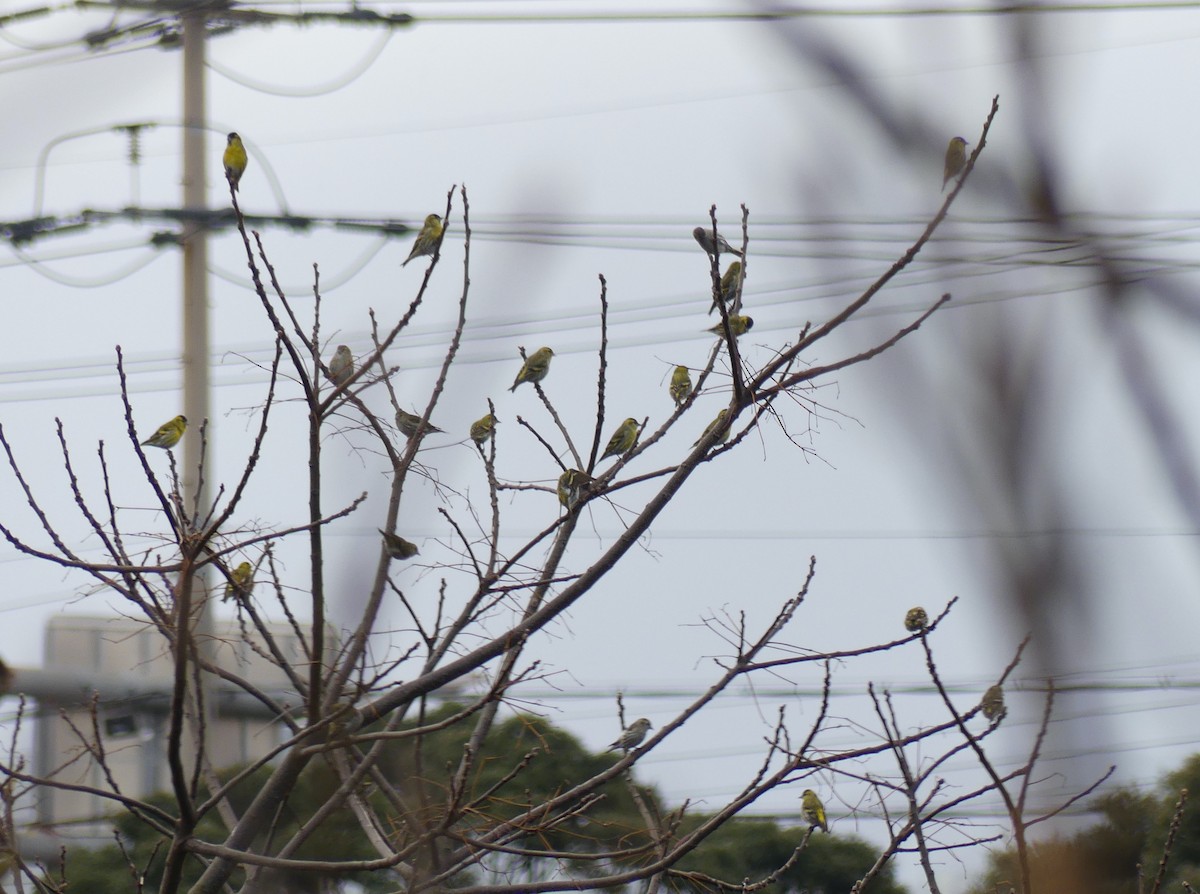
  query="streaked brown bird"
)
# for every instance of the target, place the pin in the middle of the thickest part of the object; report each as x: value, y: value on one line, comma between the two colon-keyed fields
x: 704, y: 237
x: 916, y: 620
x: 397, y: 547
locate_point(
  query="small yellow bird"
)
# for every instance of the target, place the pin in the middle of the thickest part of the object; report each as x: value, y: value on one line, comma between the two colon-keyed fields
x: 623, y: 439
x: 408, y: 424
x: 168, y: 434
x: 719, y: 422
x: 729, y: 287
x: 814, y: 810
x: 572, y: 487
x: 341, y: 367
x: 703, y: 235
x: 534, y: 368
x: 428, y: 239
x: 739, y: 325
x: 483, y: 429
x: 241, y: 582
x: 235, y: 160
x: 916, y: 620
x: 956, y: 160
x: 993, y: 703
x: 681, y: 384
x: 397, y: 547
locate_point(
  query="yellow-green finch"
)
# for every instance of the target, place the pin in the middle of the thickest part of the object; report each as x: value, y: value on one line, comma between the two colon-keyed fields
x: 483, y: 429
x: 408, y: 424
x: 956, y: 160
x: 235, y: 160
x: 534, y: 368
x: 739, y: 325
x: 814, y: 810
x: 168, y: 434
x: 631, y: 736
x: 916, y: 620
x: 397, y: 547
x: 572, y: 486
x: 341, y: 367
x: 704, y: 237
x: 241, y: 582
x: 681, y: 384
x: 729, y: 286
x: 428, y: 239
x: 719, y: 422
x: 623, y: 439
x: 993, y: 702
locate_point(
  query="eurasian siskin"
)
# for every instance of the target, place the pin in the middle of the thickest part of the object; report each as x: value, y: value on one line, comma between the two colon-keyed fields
x: 572, y: 487
x: 993, y: 703
x: 483, y: 429
x: 739, y: 325
x: 534, y: 368
x: 341, y: 367
x: 729, y: 287
x: 916, y: 620
x: 814, y: 810
x: 241, y: 582
x: 956, y: 160
x: 681, y: 384
x: 408, y: 424
x: 719, y: 422
x: 623, y: 439
x: 397, y: 547
x: 428, y: 239
x: 631, y: 736
x: 235, y: 160
x: 704, y: 237
x: 168, y: 434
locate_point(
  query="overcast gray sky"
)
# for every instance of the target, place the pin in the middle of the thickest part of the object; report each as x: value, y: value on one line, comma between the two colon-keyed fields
x: 591, y: 148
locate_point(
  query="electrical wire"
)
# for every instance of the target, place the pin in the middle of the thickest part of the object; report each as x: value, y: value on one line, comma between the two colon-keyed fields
x: 89, y: 282
x: 331, y: 86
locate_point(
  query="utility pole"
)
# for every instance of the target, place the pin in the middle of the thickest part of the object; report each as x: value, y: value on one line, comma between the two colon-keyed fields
x: 195, y: 257
x: 194, y: 494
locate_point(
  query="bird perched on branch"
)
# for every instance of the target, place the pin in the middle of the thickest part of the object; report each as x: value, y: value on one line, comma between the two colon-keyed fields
x: 408, y: 423
x: 572, y: 487
x: 397, y: 547
x: 956, y: 160
x: 729, y: 287
x: 241, y: 582
x: 631, y: 736
x: 428, y: 239
x: 993, y: 703
x: 739, y: 325
x: 534, y: 368
x: 483, y: 429
x: 623, y: 439
x: 341, y: 367
x: 704, y: 237
x: 235, y: 160
x: 681, y: 385
x: 916, y: 620
x: 814, y: 811
x: 713, y: 426
x: 168, y: 434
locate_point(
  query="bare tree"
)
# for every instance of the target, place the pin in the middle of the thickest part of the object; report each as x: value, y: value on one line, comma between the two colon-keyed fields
x: 437, y: 828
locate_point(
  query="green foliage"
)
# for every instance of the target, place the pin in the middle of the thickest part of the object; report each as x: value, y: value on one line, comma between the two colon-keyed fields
x: 106, y: 871
x: 1102, y: 859
x: 1185, y: 854
x: 753, y: 849
x: 558, y: 763
x: 550, y: 762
